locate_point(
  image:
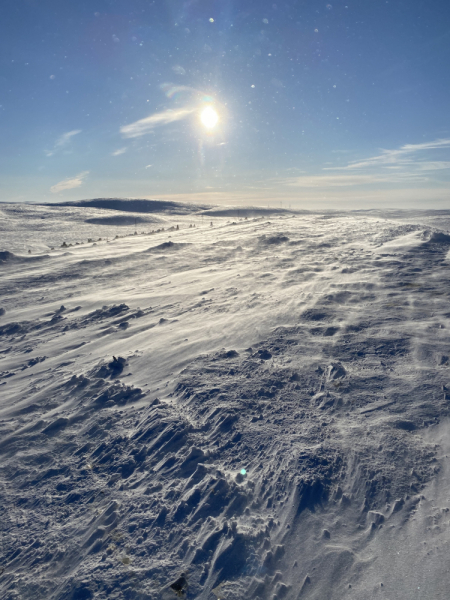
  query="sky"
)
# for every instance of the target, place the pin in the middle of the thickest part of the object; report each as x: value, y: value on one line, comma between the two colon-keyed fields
x: 314, y: 104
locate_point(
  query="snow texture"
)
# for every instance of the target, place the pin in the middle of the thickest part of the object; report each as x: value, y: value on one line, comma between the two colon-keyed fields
x: 248, y: 409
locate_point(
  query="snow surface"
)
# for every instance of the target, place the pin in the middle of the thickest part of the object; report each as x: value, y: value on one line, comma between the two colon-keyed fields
x: 253, y: 409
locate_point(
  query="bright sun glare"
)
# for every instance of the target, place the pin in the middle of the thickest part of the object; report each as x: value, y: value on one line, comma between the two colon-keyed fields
x: 209, y: 117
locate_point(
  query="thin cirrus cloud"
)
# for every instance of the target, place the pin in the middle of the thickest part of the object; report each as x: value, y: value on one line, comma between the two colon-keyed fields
x: 338, y: 180
x: 436, y: 165
x: 70, y: 183
x: 408, y: 164
x: 63, y: 140
x: 144, y: 126
x: 192, y: 101
x: 405, y: 155
x: 119, y: 152
x: 66, y: 137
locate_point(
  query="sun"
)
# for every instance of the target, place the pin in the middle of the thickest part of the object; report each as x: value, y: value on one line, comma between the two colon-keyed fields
x: 209, y: 117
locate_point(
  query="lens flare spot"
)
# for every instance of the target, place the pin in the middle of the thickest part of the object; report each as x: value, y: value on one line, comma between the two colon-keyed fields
x: 209, y: 117
x: 243, y: 472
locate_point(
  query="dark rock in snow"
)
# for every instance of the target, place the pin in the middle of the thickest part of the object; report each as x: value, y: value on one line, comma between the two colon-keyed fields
x: 180, y: 586
x: 229, y: 354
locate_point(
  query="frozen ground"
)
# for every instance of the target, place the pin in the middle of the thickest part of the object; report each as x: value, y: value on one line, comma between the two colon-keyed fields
x: 311, y: 352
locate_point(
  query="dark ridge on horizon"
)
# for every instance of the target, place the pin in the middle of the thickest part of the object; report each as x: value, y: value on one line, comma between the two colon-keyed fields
x: 175, y: 208
x: 420, y: 212
x: 149, y: 206
x: 250, y: 211
x: 135, y: 205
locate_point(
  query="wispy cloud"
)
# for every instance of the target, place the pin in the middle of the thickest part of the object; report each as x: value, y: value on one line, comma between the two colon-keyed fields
x: 62, y: 141
x: 66, y: 137
x: 119, y: 152
x: 404, y: 155
x: 409, y: 164
x: 436, y: 165
x: 189, y: 101
x: 143, y: 126
x: 69, y: 184
x: 341, y: 180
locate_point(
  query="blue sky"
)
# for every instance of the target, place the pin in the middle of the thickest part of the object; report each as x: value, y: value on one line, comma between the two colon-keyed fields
x: 340, y: 104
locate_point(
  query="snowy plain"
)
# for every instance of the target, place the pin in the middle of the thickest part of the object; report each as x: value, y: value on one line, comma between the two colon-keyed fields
x: 255, y: 408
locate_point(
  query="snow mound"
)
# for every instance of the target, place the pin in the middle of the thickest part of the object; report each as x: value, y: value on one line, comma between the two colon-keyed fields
x: 412, y: 240
x: 401, y: 243
x: 273, y: 240
x: 166, y: 246
x: 9, y: 257
x: 436, y: 237
x: 314, y: 314
x: 120, y: 220
x: 6, y: 256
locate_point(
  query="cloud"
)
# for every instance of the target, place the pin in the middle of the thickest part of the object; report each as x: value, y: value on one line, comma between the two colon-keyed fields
x: 189, y: 101
x: 62, y: 141
x: 436, y: 165
x: 341, y: 180
x: 143, y: 126
x: 403, y: 155
x: 409, y: 164
x: 119, y: 152
x: 66, y: 137
x: 69, y: 184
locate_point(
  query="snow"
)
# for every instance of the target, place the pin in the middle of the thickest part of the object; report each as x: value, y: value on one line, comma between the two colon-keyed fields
x: 253, y: 409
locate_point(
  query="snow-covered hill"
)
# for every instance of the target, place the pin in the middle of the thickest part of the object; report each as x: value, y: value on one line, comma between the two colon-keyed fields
x: 245, y: 409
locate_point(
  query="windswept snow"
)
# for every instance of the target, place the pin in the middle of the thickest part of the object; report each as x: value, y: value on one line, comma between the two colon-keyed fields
x: 255, y: 409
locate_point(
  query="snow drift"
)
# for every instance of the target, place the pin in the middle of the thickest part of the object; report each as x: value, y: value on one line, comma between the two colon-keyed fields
x: 195, y: 421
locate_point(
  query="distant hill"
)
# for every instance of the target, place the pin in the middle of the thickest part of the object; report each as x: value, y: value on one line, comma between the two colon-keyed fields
x: 176, y: 208
x: 136, y: 205
x: 250, y: 211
